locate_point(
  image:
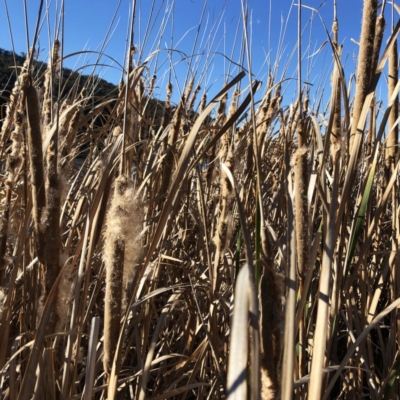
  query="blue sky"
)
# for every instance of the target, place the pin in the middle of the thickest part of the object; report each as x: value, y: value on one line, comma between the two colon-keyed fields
x: 87, y: 23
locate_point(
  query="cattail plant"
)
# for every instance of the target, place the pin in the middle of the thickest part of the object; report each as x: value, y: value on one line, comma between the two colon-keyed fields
x: 270, y: 332
x: 193, y: 98
x: 121, y: 209
x: 365, y: 62
x: 120, y: 254
x: 14, y: 162
x: 219, y: 121
x: 379, y: 32
x: 336, y: 135
x: 167, y: 107
x: 203, y: 102
x: 35, y: 163
x: 392, y: 141
x: 225, y: 224
x: 50, y: 224
x: 169, y: 143
x: 48, y: 84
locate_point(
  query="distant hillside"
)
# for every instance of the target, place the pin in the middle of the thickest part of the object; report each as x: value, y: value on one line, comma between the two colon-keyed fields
x: 103, y: 89
x: 69, y: 77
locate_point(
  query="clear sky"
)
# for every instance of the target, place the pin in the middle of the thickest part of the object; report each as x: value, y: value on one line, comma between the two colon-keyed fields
x: 272, y: 26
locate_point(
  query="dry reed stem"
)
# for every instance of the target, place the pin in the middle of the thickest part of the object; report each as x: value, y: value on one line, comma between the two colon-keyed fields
x: 183, y: 352
x: 391, y: 156
x: 288, y: 357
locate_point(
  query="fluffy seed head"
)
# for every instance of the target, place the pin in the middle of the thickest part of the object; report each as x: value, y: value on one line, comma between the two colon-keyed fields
x: 124, y: 223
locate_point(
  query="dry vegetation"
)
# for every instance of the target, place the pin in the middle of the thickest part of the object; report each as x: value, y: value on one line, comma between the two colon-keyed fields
x: 231, y: 248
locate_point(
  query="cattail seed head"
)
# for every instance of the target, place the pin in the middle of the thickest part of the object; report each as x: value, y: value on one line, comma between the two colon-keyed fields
x: 122, y: 249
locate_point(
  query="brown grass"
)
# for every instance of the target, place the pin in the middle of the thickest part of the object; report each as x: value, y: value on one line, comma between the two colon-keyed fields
x: 200, y: 245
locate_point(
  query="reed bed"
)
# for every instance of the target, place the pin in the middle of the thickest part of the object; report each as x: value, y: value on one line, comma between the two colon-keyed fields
x: 240, y: 245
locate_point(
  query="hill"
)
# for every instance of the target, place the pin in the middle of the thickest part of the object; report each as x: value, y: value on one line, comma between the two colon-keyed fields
x: 69, y: 77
